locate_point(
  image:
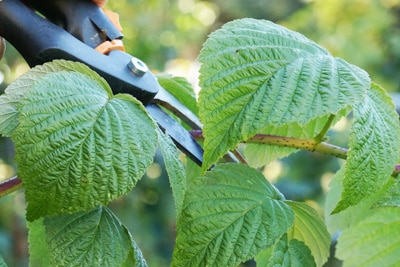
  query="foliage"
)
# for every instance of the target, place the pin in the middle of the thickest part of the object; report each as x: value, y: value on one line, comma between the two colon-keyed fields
x: 365, y: 32
x: 79, y: 147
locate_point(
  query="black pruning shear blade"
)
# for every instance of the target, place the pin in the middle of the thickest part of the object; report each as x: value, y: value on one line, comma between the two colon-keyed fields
x: 74, y: 30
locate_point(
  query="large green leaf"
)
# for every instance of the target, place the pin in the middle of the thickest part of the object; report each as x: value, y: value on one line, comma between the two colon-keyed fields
x: 373, y: 148
x: 230, y: 214
x: 16, y: 91
x: 79, y: 147
x: 372, y: 242
x: 255, y: 73
x: 310, y: 229
x: 175, y: 169
x: 286, y: 253
x: 93, y: 238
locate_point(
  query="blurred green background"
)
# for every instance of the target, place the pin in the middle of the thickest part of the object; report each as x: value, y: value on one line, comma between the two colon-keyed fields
x: 168, y: 36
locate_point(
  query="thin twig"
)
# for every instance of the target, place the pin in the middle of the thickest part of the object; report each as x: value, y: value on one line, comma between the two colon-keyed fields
x: 14, y: 183
x: 9, y: 186
x: 305, y: 144
x: 239, y: 156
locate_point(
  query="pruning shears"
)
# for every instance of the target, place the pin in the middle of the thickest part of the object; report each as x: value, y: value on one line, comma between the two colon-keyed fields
x: 81, y: 31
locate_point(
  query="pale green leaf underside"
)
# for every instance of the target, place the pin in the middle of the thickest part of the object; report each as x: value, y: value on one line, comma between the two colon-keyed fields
x: 77, y: 147
x: 352, y: 215
x: 255, y: 73
x: 2, y: 262
x: 286, y: 254
x: 39, y: 252
x: 391, y: 198
x: 310, y: 229
x: 16, y: 91
x: 135, y: 257
x: 374, y: 241
x: 181, y: 89
x: 373, y: 148
x: 230, y: 214
x: 175, y: 169
x: 93, y: 238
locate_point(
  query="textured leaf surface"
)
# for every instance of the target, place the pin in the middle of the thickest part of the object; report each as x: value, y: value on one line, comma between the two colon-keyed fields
x: 373, y: 242
x: 391, y: 198
x: 354, y: 214
x: 286, y: 254
x: 175, y: 169
x: 181, y: 89
x: 94, y: 238
x: 15, y: 92
x: 310, y: 229
x: 135, y: 257
x: 230, y: 215
x: 255, y: 73
x: 373, y: 148
x: 77, y: 146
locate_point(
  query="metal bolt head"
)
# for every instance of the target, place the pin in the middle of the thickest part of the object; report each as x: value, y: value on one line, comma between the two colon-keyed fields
x: 138, y: 67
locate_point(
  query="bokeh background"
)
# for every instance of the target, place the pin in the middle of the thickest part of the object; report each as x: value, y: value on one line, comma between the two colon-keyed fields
x: 167, y: 35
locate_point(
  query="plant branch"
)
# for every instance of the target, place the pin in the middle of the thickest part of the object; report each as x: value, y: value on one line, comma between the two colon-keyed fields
x: 9, y: 186
x: 306, y: 144
x: 239, y: 156
x: 300, y: 143
x: 14, y: 183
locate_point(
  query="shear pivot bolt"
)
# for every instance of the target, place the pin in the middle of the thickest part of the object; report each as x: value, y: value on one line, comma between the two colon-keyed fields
x: 138, y: 67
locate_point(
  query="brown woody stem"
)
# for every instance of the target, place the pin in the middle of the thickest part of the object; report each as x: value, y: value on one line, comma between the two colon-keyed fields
x: 9, y: 186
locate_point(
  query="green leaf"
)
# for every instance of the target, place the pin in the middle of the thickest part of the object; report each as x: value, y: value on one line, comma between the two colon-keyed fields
x: 352, y: 215
x: 230, y: 214
x: 78, y: 147
x: 373, y: 242
x: 135, y: 257
x: 192, y: 170
x: 373, y: 148
x: 16, y: 91
x: 93, y: 238
x: 310, y: 229
x: 2, y: 262
x: 391, y: 198
x: 287, y: 254
x: 256, y: 74
x: 262, y: 258
x: 300, y: 254
x: 39, y: 252
x: 175, y: 169
x: 180, y: 88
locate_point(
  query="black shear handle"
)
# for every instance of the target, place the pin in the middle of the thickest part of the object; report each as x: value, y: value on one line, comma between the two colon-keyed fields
x: 82, y: 18
x: 38, y: 40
